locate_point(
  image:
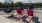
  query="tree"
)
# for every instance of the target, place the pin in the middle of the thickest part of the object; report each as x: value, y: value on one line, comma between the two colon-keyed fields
x: 39, y: 4
x: 0, y: 4
x: 19, y: 4
x: 12, y: 4
x: 5, y: 5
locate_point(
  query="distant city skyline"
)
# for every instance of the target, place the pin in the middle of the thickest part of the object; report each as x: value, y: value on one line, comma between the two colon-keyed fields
x: 23, y: 1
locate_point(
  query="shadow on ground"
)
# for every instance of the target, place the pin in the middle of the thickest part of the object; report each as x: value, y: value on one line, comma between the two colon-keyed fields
x: 24, y: 19
x: 12, y: 17
x: 35, y: 19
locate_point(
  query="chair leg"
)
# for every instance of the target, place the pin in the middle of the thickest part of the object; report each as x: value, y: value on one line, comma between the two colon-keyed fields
x: 32, y: 21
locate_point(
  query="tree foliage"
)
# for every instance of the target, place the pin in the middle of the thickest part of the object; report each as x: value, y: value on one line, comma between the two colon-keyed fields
x: 19, y: 4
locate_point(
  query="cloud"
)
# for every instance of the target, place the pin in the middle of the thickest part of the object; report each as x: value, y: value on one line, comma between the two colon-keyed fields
x: 2, y: 1
x: 24, y: 1
x: 32, y: 1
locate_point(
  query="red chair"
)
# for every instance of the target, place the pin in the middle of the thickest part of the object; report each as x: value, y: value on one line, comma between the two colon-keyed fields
x: 30, y: 13
x: 19, y: 13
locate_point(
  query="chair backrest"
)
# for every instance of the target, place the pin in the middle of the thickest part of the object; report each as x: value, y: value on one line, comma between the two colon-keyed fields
x: 30, y: 12
x: 19, y: 11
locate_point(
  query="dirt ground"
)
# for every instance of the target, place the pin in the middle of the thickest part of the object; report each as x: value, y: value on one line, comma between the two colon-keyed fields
x: 3, y: 18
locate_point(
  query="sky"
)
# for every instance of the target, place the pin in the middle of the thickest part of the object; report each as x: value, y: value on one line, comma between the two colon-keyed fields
x: 28, y: 1
x: 2, y: 1
x: 23, y: 1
